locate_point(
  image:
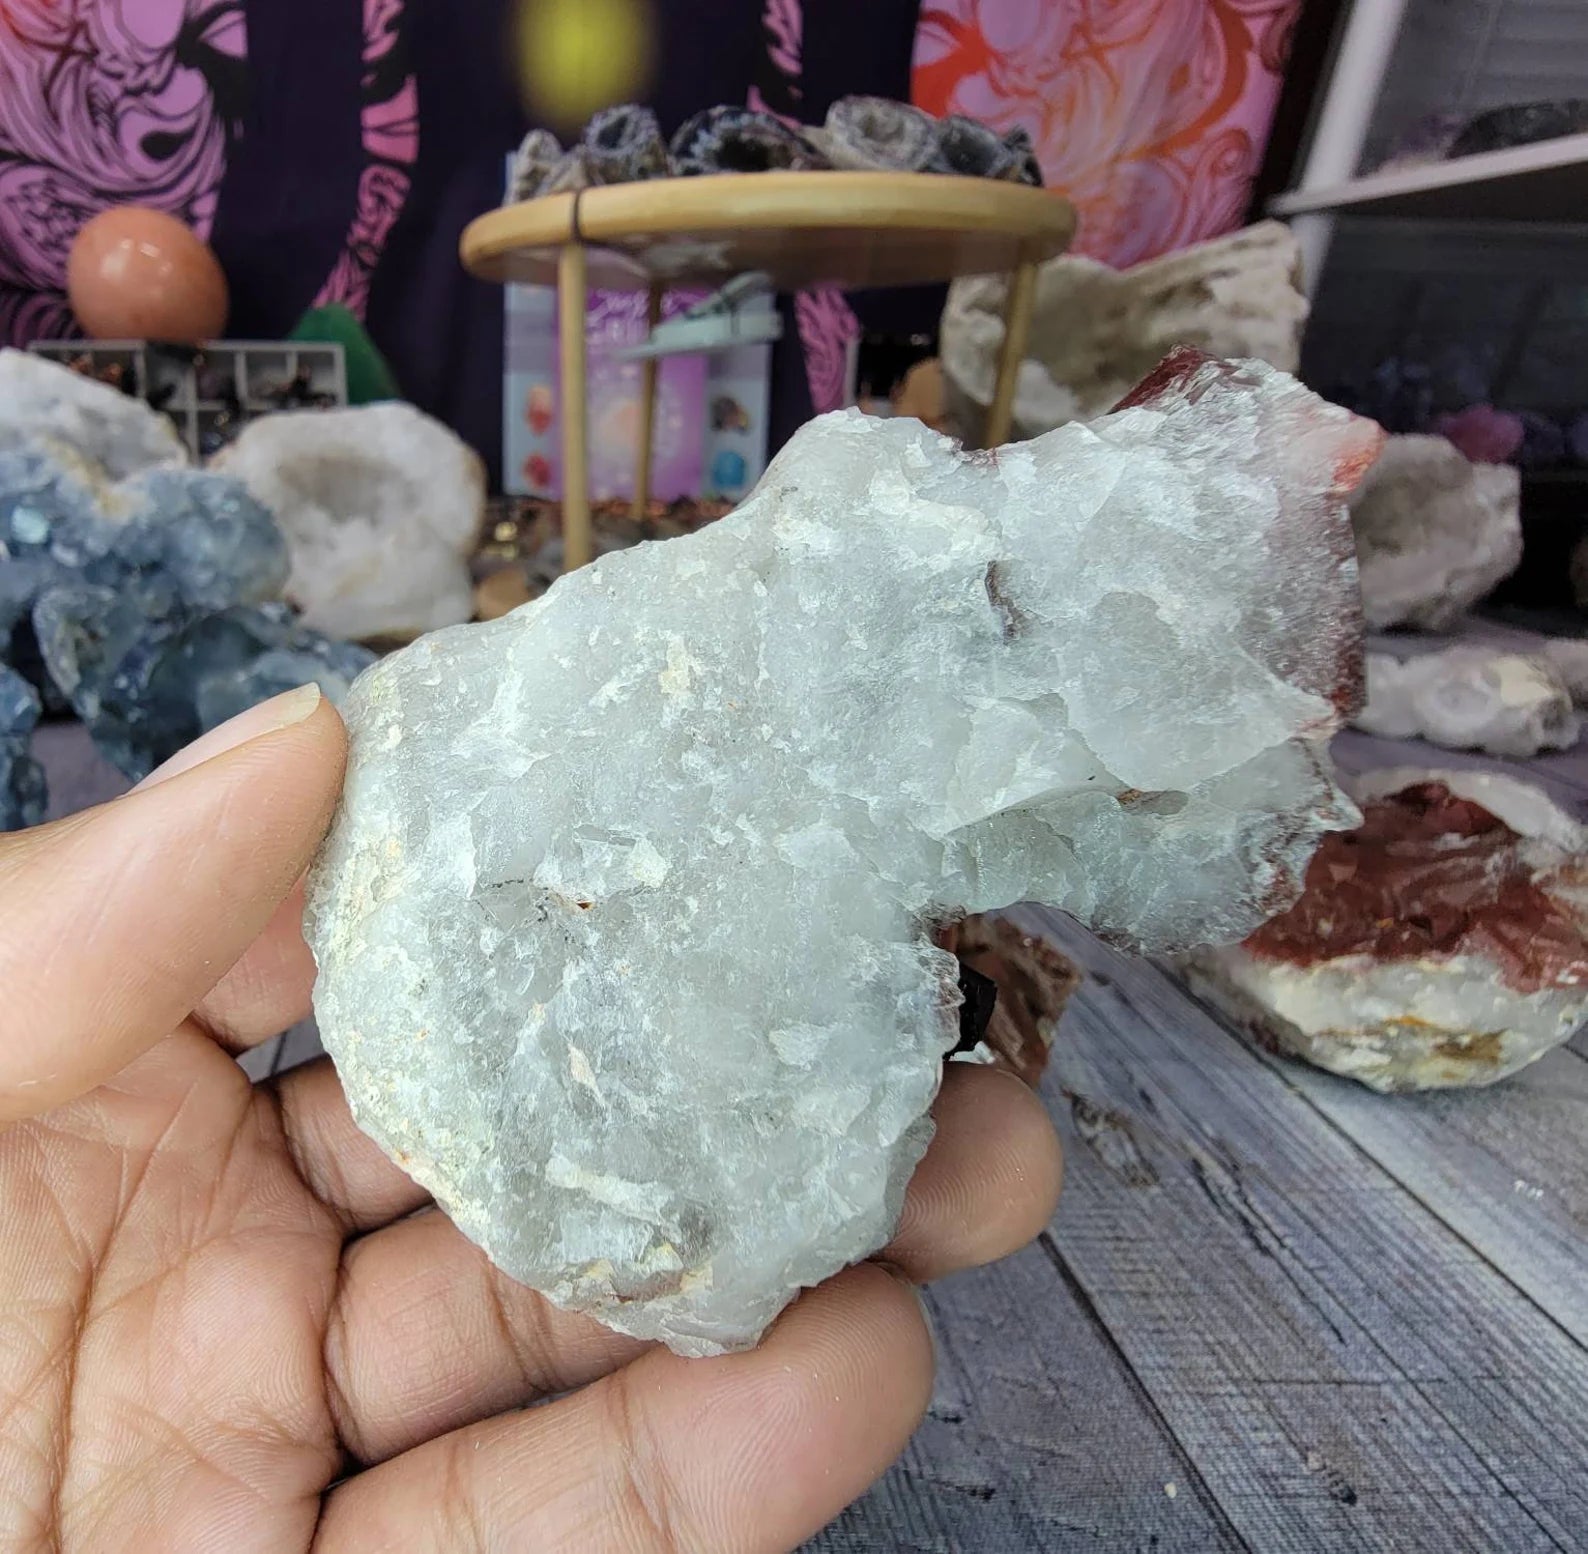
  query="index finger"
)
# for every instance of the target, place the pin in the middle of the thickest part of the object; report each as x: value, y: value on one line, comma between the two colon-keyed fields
x: 120, y: 921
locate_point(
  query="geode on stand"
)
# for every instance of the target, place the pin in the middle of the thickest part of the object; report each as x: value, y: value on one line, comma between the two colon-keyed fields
x: 625, y: 924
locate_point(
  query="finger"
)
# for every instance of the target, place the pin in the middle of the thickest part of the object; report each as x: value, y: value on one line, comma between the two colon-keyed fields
x: 749, y: 1452
x: 345, y: 1168
x: 268, y: 990
x: 121, y: 919
x: 427, y: 1336
x: 989, y: 1181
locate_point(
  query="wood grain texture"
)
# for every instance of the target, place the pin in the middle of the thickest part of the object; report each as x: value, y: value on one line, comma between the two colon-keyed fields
x: 1504, y: 1167
x: 1343, y: 1369
x: 803, y: 229
x: 1039, y: 1437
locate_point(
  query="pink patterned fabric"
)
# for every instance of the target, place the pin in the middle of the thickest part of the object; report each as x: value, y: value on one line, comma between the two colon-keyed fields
x: 784, y: 21
x: 390, y: 122
x: 98, y: 108
x: 1151, y: 115
x: 113, y: 102
x: 826, y: 322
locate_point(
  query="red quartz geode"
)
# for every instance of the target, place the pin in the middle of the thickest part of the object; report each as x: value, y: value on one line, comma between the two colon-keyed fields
x: 1429, y: 873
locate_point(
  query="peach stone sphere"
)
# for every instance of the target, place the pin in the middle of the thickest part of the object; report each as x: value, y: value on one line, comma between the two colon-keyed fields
x: 137, y: 274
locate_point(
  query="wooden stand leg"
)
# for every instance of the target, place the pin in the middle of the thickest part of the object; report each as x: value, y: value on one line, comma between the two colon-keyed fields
x: 573, y: 295
x: 1017, y: 330
x: 642, y: 469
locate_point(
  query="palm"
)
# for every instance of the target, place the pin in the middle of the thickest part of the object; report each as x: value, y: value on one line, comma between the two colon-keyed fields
x: 227, y: 1322
x: 163, y: 1368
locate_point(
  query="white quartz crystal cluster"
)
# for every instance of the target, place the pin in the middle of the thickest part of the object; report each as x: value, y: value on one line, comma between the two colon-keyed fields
x: 1434, y: 533
x: 382, y: 506
x: 1471, y: 697
x: 625, y: 924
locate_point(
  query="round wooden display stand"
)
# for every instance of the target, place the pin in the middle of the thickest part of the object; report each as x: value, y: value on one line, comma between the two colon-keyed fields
x: 849, y: 230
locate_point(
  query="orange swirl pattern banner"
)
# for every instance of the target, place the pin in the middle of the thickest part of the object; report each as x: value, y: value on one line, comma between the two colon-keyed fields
x: 1150, y: 115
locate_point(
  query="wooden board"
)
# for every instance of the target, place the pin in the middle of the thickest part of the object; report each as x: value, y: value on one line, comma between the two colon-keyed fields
x: 1504, y: 1167
x: 802, y: 229
x: 1340, y: 1366
x: 1039, y: 1436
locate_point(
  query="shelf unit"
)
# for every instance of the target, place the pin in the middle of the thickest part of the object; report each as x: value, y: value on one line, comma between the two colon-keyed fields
x: 211, y: 394
x: 1546, y: 181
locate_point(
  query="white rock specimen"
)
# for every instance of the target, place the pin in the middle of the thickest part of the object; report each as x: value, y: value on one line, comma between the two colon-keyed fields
x: 1470, y: 698
x: 1568, y: 657
x: 1434, y: 533
x: 115, y: 434
x: 1096, y: 330
x: 1443, y: 944
x: 381, y: 506
x: 625, y: 924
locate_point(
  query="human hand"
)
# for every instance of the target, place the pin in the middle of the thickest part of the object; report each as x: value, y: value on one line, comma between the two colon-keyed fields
x: 228, y: 1323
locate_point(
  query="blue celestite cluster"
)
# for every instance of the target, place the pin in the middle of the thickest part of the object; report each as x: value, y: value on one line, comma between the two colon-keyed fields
x: 149, y: 604
x: 22, y: 795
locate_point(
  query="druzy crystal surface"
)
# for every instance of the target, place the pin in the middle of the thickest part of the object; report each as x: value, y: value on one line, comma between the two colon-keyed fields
x: 625, y: 924
x: 135, y: 590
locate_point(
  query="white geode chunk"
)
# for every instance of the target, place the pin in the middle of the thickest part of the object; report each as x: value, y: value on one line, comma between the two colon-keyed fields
x: 1568, y: 657
x: 382, y: 507
x: 625, y: 923
x: 1434, y: 533
x: 1097, y: 330
x: 114, y: 435
x: 1470, y: 698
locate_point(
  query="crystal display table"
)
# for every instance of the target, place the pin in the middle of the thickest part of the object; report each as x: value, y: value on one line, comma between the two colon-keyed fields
x: 849, y: 230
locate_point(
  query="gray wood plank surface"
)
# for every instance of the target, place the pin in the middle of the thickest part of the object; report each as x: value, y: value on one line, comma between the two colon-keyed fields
x: 1343, y: 1370
x: 1504, y: 1167
x: 1039, y: 1437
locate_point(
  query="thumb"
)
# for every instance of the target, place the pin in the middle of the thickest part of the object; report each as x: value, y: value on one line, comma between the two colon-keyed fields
x: 119, y: 920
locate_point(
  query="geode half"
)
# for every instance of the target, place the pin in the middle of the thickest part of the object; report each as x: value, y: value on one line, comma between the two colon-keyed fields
x: 625, y: 923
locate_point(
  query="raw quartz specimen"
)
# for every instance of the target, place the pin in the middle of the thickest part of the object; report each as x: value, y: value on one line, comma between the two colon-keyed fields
x: 625, y: 924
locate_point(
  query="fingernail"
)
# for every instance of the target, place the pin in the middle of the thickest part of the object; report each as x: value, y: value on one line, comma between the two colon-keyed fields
x: 267, y: 718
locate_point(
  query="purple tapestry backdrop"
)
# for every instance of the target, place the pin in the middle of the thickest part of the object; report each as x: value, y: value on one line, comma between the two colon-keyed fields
x: 104, y: 102
x: 334, y: 150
